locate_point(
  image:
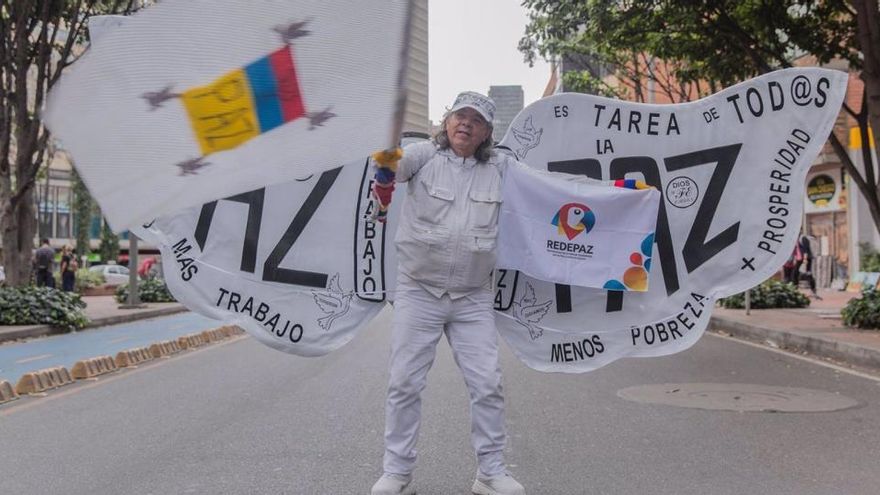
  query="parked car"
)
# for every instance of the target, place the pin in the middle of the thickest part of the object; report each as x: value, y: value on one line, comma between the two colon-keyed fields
x: 113, y: 274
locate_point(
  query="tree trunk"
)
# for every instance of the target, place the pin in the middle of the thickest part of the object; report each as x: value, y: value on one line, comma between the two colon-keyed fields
x: 18, y: 224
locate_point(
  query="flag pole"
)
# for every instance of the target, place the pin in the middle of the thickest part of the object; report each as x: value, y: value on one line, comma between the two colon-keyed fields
x: 400, y: 104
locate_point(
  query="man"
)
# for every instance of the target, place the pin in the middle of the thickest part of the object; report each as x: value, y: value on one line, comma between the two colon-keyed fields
x: 43, y: 259
x: 446, y: 252
x: 805, y: 258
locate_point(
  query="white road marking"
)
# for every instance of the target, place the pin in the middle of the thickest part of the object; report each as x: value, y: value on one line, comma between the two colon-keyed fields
x: 808, y: 359
x: 120, y: 339
x: 33, y: 358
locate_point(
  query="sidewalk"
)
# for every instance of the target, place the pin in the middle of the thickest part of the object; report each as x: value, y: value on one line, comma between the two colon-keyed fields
x: 101, y: 310
x: 817, y: 329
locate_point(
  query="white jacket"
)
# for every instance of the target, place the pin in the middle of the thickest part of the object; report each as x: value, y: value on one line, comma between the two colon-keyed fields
x: 449, y: 224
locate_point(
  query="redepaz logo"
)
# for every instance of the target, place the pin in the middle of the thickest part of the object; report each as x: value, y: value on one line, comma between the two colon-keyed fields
x: 573, y: 219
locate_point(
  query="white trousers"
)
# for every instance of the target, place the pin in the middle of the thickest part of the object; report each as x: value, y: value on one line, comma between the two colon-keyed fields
x: 469, y: 324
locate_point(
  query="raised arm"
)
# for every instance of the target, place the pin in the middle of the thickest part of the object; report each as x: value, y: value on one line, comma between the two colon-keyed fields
x: 396, y: 165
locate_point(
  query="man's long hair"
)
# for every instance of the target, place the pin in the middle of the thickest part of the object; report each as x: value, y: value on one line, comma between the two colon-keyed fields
x: 484, y: 150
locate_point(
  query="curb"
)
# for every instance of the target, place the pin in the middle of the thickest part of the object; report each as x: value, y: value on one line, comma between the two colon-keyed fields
x: 7, y: 393
x: 88, y: 368
x: 44, y: 330
x: 191, y: 341
x: 164, y: 348
x: 42, y: 380
x: 841, y: 351
x: 133, y: 357
x: 35, y: 382
x: 143, y: 315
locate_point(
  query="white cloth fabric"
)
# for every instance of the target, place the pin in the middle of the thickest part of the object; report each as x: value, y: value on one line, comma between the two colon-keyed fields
x: 468, y: 322
x: 589, y: 235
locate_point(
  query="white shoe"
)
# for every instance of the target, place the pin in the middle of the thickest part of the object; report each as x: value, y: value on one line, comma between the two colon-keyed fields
x: 393, y: 484
x: 498, y: 485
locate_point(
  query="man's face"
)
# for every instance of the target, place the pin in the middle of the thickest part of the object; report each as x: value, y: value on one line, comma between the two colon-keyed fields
x: 466, y: 129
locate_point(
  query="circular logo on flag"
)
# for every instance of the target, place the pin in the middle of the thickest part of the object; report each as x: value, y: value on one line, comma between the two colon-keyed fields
x: 682, y: 192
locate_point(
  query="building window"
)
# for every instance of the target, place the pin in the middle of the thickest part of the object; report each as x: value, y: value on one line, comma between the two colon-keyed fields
x: 46, y: 211
x: 62, y: 208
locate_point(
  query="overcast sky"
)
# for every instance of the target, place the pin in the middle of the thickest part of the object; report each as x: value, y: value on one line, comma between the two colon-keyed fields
x: 472, y: 45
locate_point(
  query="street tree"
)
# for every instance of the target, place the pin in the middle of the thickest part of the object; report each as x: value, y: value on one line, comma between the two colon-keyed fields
x: 38, y: 40
x: 83, y: 206
x: 702, y: 46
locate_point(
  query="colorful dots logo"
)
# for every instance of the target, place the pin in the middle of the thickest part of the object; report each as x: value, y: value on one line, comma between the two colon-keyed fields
x: 573, y: 219
x: 635, y: 278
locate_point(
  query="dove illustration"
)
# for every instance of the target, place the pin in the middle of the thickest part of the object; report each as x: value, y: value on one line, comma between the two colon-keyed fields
x: 527, y: 312
x: 317, y: 119
x: 528, y: 137
x: 334, y: 303
x: 292, y: 31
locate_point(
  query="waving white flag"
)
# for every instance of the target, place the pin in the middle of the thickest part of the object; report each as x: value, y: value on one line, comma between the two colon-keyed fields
x: 193, y: 100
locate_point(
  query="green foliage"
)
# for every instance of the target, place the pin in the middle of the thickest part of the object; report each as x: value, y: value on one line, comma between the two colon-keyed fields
x: 149, y: 290
x: 41, y: 306
x: 723, y: 42
x: 86, y: 279
x: 82, y: 215
x: 864, y: 311
x: 109, y: 247
x: 584, y: 82
x: 770, y: 294
x: 869, y: 258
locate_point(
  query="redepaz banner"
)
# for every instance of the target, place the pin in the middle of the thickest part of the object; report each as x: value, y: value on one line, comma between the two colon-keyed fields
x: 580, y: 233
x: 731, y: 169
x: 189, y: 101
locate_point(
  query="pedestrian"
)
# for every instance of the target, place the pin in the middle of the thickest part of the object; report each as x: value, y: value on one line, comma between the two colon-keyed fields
x: 789, y: 268
x: 446, y: 254
x: 68, y: 268
x: 43, y: 260
x: 805, y: 260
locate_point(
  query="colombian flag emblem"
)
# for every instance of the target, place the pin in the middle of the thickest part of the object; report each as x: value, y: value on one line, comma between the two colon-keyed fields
x: 245, y: 103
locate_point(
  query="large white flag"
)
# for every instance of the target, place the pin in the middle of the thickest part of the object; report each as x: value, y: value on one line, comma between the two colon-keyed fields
x: 193, y: 100
x: 586, y: 234
x: 730, y: 168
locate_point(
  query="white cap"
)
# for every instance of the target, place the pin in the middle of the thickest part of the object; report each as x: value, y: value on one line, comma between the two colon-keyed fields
x: 482, y: 104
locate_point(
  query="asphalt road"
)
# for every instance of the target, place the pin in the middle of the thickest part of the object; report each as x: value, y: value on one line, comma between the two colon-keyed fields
x: 240, y: 418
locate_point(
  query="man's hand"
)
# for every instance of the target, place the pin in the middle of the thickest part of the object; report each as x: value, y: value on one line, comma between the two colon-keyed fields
x: 383, y: 183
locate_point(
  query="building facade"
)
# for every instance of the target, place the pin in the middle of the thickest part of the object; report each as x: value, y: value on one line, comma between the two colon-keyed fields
x: 508, y: 103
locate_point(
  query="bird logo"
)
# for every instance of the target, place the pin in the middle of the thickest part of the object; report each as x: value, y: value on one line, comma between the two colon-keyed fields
x: 334, y: 303
x: 574, y: 218
x: 527, y: 312
x: 528, y: 137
